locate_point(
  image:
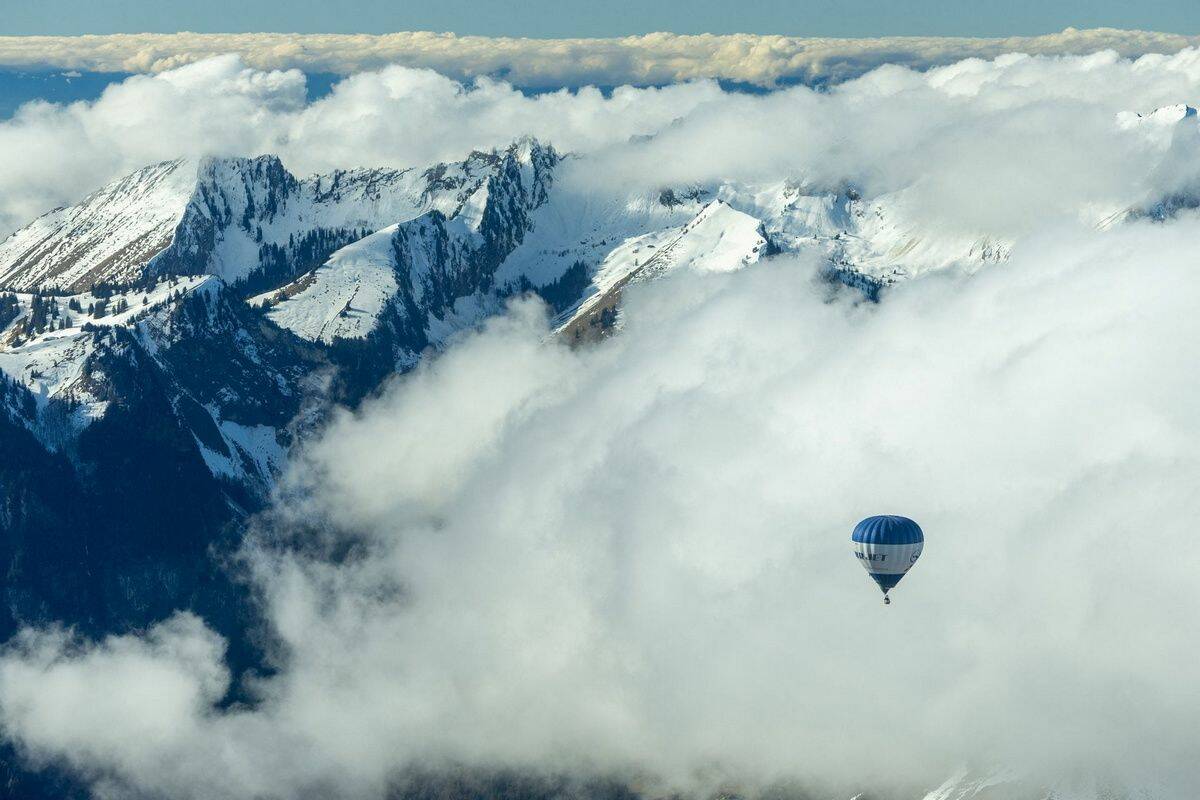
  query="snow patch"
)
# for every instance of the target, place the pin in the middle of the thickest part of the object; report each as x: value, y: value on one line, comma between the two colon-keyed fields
x: 343, y: 298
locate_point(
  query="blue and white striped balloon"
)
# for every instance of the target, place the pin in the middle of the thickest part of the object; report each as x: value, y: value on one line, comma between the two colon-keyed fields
x: 887, y: 546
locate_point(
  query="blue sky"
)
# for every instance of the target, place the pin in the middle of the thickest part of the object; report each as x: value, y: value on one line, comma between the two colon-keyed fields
x: 557, y: 18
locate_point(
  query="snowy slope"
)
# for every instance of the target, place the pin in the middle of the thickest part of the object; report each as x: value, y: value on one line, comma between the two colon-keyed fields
x: 109, y: 236
x: 861, y: 240
x: 1159, y: 119
x: 585, y: 226
x: 249, y: 213
x: 999, y: 784
x: 718, y: 239
x: 176, y: 343
x: 872, y: 237
x: 343, y: 298
x: 50, y: 363
x: 230, y: 217
x: 1172, y: 128
x: 433, y: 274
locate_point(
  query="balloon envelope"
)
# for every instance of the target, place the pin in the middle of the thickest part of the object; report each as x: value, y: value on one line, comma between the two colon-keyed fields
x: 887, y: 546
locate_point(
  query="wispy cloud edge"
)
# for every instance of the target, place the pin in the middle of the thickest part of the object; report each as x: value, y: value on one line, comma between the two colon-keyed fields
x: 655, y: 58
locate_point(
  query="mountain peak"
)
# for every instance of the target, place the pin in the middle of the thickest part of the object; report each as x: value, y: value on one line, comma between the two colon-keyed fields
x: 109, y: 236
x: 528, y: 149
x: 1164, y: 117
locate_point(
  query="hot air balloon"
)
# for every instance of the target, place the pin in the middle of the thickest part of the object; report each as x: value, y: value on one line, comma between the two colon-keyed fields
x: 887, y: 546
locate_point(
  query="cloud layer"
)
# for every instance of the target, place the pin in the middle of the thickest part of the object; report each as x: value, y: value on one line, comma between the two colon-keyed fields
x: 633, y: 560
x: 656, y: 58
x: 1000, y: 143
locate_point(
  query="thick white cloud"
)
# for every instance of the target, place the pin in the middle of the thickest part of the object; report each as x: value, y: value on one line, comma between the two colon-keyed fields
x: 633, y: 560
x: 656, y: 58
x: 991, y: 146
x: 52, y: 155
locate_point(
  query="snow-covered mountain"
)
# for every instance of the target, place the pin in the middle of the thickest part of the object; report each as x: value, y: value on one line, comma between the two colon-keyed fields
x: 146, y: 407
x: 227, y: 377
x: 109, y: 236
x: 237, y: 218
x: 428, y: 276
x: 437, y: 273
x: 225, y: 226
x: 374, y: 266
x: 1176, y: 130
x: 718, y: 239
x: 1160, y: 119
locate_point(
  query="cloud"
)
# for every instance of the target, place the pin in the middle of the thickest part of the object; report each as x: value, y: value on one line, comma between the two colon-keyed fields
x: 656, y: 58
x: 633, y: 560
x: 979, y: 146
x: 52, y: 155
